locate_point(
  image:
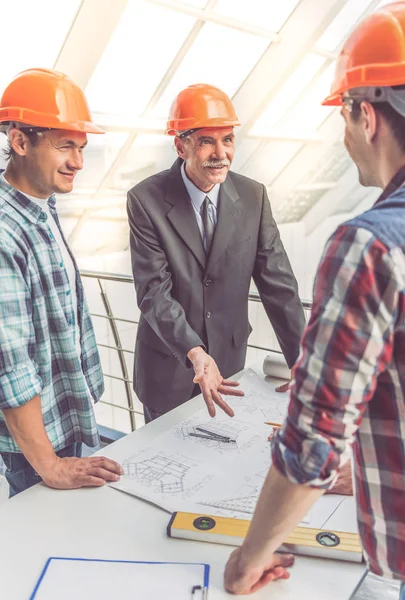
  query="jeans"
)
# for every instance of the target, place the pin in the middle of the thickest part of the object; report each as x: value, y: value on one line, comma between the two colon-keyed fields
x: 19, y: 473
x: 402, y: 592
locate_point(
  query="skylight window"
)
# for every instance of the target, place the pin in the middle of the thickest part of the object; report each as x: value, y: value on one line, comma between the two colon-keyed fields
x: 338, y: 30
x: 288, y: 94
x: 35, y: 47
x: 260, y: 13
x: 140, y: 51
x: 219, y: 56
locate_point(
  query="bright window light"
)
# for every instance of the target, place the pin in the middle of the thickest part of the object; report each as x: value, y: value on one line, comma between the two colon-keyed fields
x: 220, y: 56
x: 342, y: 24
x: 244, y: 150
x: 309, y: 113
x: 149, y: 154
x: 267, y: 164
x: 194, y: 3
x: 98, y: 157
x: 261, y: 13
x: 140, y: 51
x: 288, y: 94
x: 25, y: 38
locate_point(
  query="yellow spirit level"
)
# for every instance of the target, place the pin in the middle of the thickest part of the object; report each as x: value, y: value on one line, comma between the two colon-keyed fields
x: 338, y: 545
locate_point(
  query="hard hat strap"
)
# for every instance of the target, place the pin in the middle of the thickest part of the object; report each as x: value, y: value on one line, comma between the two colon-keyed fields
x: 394, y: 97
x: 183, y: 134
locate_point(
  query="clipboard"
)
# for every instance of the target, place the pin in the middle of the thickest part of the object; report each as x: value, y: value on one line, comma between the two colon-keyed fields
x: 99, y: 579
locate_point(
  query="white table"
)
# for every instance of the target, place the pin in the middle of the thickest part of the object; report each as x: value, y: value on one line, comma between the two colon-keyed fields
x: 108, y: 524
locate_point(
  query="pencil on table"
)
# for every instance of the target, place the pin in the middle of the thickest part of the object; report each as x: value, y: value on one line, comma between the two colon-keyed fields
x: 274, y: 424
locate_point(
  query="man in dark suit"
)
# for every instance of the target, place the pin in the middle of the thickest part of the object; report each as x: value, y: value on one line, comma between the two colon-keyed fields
x: 199, y: 233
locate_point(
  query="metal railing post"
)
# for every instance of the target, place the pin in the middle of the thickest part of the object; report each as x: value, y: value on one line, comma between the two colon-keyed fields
x: 253, y: 297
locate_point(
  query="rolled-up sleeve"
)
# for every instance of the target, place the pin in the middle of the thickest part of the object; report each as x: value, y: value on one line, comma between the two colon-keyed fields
x: 348, y: 342
x: 19, y: 379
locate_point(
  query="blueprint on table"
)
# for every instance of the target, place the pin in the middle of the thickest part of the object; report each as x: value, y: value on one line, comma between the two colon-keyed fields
x: 181, y: 470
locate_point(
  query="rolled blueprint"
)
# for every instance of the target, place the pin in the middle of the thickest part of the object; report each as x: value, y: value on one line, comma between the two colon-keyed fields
x: 276, y: 366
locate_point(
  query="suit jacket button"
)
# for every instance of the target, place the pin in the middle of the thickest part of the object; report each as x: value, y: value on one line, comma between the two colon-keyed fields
x: 208, y: 314
x: 208, y: 282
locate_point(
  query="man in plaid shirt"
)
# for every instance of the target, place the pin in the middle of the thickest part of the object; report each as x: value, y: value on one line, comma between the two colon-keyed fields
x: 350, y: 378
x: 50, y: 370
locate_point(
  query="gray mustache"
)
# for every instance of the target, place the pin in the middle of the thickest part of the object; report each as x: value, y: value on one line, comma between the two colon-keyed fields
x: 217, y: 163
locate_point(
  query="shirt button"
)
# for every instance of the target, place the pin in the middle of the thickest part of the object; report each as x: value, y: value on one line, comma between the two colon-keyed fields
x: 43, y: 217
x: 61, y: 265
x: 208, y: 314
x: 208, y: 282
x: 68, y: 293
x: 70, y: 321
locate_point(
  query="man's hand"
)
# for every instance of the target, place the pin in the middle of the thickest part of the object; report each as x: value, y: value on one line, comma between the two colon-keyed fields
x: 71, y: 473
x: 287, y: 386
x: 245, y: 576
x: 211, y: 382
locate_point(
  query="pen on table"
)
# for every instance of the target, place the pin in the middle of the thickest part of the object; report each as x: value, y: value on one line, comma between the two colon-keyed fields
x: 213, y: 434
x: 213, y: 439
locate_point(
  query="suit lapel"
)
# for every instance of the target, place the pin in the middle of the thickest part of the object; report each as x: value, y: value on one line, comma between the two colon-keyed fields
x: 181, y: 214
x: 228, y: 214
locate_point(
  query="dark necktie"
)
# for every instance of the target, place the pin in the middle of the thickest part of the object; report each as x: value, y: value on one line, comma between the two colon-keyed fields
x: 208, y: 225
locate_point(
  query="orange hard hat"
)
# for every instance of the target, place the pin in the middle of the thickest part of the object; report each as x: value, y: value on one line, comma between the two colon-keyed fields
x: 46, y: 99
x: 373, y: 55
x: 200, y: 105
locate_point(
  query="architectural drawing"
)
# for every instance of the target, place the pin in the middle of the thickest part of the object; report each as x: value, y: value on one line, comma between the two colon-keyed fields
x: 164, y: 474
x: 261, y: 402
x: 194, y: 430
x: 182, y: 472
x: 245, y: 493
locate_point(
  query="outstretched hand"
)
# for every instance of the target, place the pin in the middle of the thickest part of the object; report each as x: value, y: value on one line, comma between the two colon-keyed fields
x: 211, y: 382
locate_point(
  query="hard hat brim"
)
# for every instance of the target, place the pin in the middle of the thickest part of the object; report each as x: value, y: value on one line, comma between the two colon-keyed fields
x: 332, y: 100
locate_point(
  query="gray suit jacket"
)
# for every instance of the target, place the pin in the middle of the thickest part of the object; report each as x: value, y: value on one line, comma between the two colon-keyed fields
x: 187, y: 299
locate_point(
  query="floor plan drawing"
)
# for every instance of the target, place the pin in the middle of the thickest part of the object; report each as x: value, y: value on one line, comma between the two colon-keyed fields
x: 168, y: 478
x: 165, y: 474
x: 218, y: 465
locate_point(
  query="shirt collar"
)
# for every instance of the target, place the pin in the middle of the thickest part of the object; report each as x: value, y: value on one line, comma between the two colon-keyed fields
x: 25, y: 205
x: 396, y: 182
x: 197, y: 196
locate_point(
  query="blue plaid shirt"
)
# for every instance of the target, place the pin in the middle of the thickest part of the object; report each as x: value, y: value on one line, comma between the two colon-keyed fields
x: 38, y: 353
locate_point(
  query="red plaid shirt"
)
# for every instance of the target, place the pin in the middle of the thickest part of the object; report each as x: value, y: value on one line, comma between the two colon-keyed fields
x: 350, y: 379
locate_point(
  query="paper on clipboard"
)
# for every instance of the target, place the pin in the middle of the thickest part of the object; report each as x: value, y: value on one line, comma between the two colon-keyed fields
x: 88, y: 579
